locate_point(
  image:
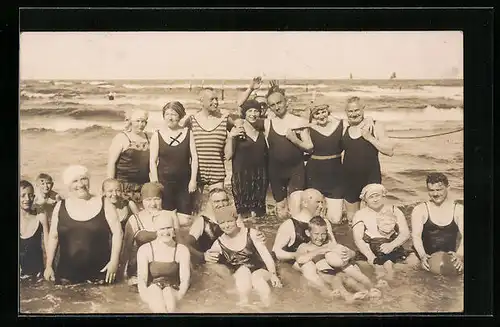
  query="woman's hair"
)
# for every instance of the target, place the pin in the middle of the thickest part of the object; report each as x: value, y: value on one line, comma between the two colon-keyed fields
x: 175, y: 106
x: 130, y: 113
x: 25, y: 184
x: 44, y: 176
x: 434, y: 178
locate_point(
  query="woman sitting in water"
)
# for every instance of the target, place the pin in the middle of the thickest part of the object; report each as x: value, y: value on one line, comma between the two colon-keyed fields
x: 380, y: 231
x: 140, y: 227
x: 33, y: 225
x: 112, y: 190
x: 128, y: 159
x: 163, y: 267
x: 248, y: 259
x: 82, y: 225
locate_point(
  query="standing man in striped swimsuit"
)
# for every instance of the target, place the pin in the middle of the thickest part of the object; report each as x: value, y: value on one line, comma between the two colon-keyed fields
x: 210, y: 128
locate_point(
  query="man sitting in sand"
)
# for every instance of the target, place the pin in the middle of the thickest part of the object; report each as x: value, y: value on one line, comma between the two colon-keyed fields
x: 205, y: 229
x: 437, y: 224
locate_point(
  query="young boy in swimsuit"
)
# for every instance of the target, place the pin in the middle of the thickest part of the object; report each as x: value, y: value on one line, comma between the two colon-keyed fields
x: 163, y: 267
x: 45, y: 197
x: 247, y: 258
x: 331, y: 265
x: 112, y: 189
x: 33, y: 226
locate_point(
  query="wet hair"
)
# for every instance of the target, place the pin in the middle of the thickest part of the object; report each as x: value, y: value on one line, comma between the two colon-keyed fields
x: 434, y: 178
x: 352, y: 99
x: 110, y: 180
x: 25, y: 184
x: 44, y: 176
x: 175, y: 106
x: 316, y: 221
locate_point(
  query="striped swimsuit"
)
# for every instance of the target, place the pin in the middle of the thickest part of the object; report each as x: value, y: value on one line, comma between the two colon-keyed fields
x: 210, y: 148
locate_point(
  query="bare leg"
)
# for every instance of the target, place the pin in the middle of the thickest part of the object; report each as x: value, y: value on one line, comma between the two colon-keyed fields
x: 260, y: 284
x: 334, y: 210
x: 352, y: 283
x: 243, y: 280
x: 282, y: 209
x: 389, y: 269
x: 351, y: 209
x: 169, y: 298
x: 311, y: 274
x: 155, y: 299
x: 294, y: 203
x: 354, y: 272
x: 335, y: 282
x: 413, y: 260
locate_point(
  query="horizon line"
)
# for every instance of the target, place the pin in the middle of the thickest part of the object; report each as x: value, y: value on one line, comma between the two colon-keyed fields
x: 233, y: 79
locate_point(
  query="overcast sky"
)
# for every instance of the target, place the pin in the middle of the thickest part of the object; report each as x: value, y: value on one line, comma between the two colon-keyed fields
x: 183, y: 55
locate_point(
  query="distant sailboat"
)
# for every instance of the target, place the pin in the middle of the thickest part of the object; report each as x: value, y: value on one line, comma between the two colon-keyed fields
x: 350, y: 76
x: 393, y: 76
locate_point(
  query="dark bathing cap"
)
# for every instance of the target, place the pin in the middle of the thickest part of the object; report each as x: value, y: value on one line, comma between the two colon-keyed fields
x: 250, y: 104
x: 176, y: 106
x: 152, y: 190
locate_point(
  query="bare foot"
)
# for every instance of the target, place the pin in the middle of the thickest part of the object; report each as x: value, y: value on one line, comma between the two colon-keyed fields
x: 361, y: 295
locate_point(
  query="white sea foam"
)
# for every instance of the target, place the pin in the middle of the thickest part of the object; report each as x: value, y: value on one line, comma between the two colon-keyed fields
x: 373, y: 91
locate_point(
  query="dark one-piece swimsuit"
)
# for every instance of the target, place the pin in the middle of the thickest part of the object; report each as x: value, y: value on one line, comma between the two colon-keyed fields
x: 248, y: 256
x: 31, y: 253
x: 162, y: 273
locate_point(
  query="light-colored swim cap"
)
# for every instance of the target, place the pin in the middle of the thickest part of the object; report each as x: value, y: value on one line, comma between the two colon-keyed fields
x: 372, y: 188
x: 152, y: 190
x: 136, y: 113
x: 73, y: 172
x: 225, y: 213
x: 163, y: 220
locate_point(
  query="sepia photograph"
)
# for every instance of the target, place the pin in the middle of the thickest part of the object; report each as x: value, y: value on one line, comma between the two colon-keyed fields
x: 241, y: 172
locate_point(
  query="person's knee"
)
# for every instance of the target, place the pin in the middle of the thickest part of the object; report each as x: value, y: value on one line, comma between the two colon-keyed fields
x: 334, y: 260
x: 243, y: 279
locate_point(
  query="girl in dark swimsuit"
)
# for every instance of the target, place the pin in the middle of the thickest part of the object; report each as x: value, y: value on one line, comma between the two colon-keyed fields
x: 248, y: 259
x: 163, y: 268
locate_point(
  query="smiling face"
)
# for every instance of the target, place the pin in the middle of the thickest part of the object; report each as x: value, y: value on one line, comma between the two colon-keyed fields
x: 277, y: 103
x: 44, y: 185
x: 164, y: 226
x: 152, y: 204
x: 209, y: 101
x: 355, y: 113
x: 113, y: 191
x: 227, y: 224
x: 375, y: 200
x: 313, y: 201
x: 171, y: 118
x: 80, y: 187
x: 26, y: 198
x: 252, y: 115
x: 438, y: 192
x: 219, y: 200
x: 318, y: 234
x: 320, y: 117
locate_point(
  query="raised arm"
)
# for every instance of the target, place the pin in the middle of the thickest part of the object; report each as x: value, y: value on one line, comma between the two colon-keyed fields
x: 114, y: 152
x: 254, y: 84
x: 53, y: 241
x: 184, y: 259
x: 153, y: 157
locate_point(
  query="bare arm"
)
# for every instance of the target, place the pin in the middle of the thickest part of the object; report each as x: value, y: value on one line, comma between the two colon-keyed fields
x: 264, y: 252
x: 459, y: 219
x: 404, y: 231
x: 306, y: 254
x: 229, y: 146
x: 53, y: 239
x: 153, y: 157
x: 254, y: 84
x: 128, y: 242
x: 133, y: 207
x: 142, y: 271
x: 417, y: 225
x: 381, y: 141
x: 358, y: 230
x: 114, y: 152
x: 116, y: 231
x: 42, y: 217
x: 194, y: 158
x: 184, y: 269
x: 282, y: 239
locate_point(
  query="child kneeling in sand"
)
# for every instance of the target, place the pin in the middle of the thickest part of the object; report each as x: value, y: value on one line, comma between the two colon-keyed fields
x: 246, y: 257
x: 163, y: 267
x: 333, y: 263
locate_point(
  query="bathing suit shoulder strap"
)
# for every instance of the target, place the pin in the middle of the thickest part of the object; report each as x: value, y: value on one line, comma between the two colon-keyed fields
x: 146, y: 135
x: 128, y: 138
x: 152, y: 252
x: 428, y: 211
x: 175, y: 251
x: 454, y: 208
x: 139, y: 223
